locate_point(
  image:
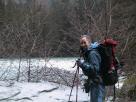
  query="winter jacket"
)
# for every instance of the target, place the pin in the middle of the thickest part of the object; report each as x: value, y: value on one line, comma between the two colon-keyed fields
x: 92, y: 60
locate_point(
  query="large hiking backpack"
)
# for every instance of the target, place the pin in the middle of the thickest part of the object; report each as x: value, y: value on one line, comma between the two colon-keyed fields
x: 108, y: 70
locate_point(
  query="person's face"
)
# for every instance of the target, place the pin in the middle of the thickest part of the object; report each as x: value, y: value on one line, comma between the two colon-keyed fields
x: 84, y: 42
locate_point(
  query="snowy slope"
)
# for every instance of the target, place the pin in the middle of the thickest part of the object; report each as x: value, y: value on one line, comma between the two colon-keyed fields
x: 38, y: 92
x: 42, y: 92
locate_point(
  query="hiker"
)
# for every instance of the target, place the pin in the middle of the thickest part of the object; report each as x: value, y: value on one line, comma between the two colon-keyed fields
x: 90, y: 65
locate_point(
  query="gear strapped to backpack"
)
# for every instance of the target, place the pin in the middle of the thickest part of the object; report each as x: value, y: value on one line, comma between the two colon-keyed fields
x: 108, y: 70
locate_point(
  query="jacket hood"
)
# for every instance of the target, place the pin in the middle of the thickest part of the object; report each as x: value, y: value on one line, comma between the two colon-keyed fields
x: 93, y: 45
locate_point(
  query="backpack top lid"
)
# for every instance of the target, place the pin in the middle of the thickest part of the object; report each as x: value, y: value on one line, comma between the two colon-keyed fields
x: 110, y: 42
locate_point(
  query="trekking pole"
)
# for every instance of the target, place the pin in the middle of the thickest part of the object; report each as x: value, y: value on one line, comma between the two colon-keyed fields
x: 76, y: 75
x: 72, y: 86
x: 106, y: 25
x: 73, y: 82
x: 114, y: 94
x: 77, y: 83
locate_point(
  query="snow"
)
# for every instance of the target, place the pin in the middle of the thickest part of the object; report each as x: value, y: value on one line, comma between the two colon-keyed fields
x: 11, y: 91
x: 39, y: 92
x: 120, y: 82
x: 10, y: 66
x: 62, y: 63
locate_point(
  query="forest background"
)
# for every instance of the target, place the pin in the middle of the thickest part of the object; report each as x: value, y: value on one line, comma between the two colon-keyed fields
x: 51, y: 28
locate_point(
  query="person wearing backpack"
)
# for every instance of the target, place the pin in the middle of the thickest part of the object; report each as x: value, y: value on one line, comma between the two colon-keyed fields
x: 90, y: 65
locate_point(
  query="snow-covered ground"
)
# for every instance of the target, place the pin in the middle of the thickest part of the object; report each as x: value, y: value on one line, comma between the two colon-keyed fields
x: 9, y: 67
x: 12, y: 91
x: 38, y: 92
x: 62, y: 63
x: 41, y: 92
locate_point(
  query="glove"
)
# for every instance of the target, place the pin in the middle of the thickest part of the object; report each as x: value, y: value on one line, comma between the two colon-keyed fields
x: 80, y: 62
